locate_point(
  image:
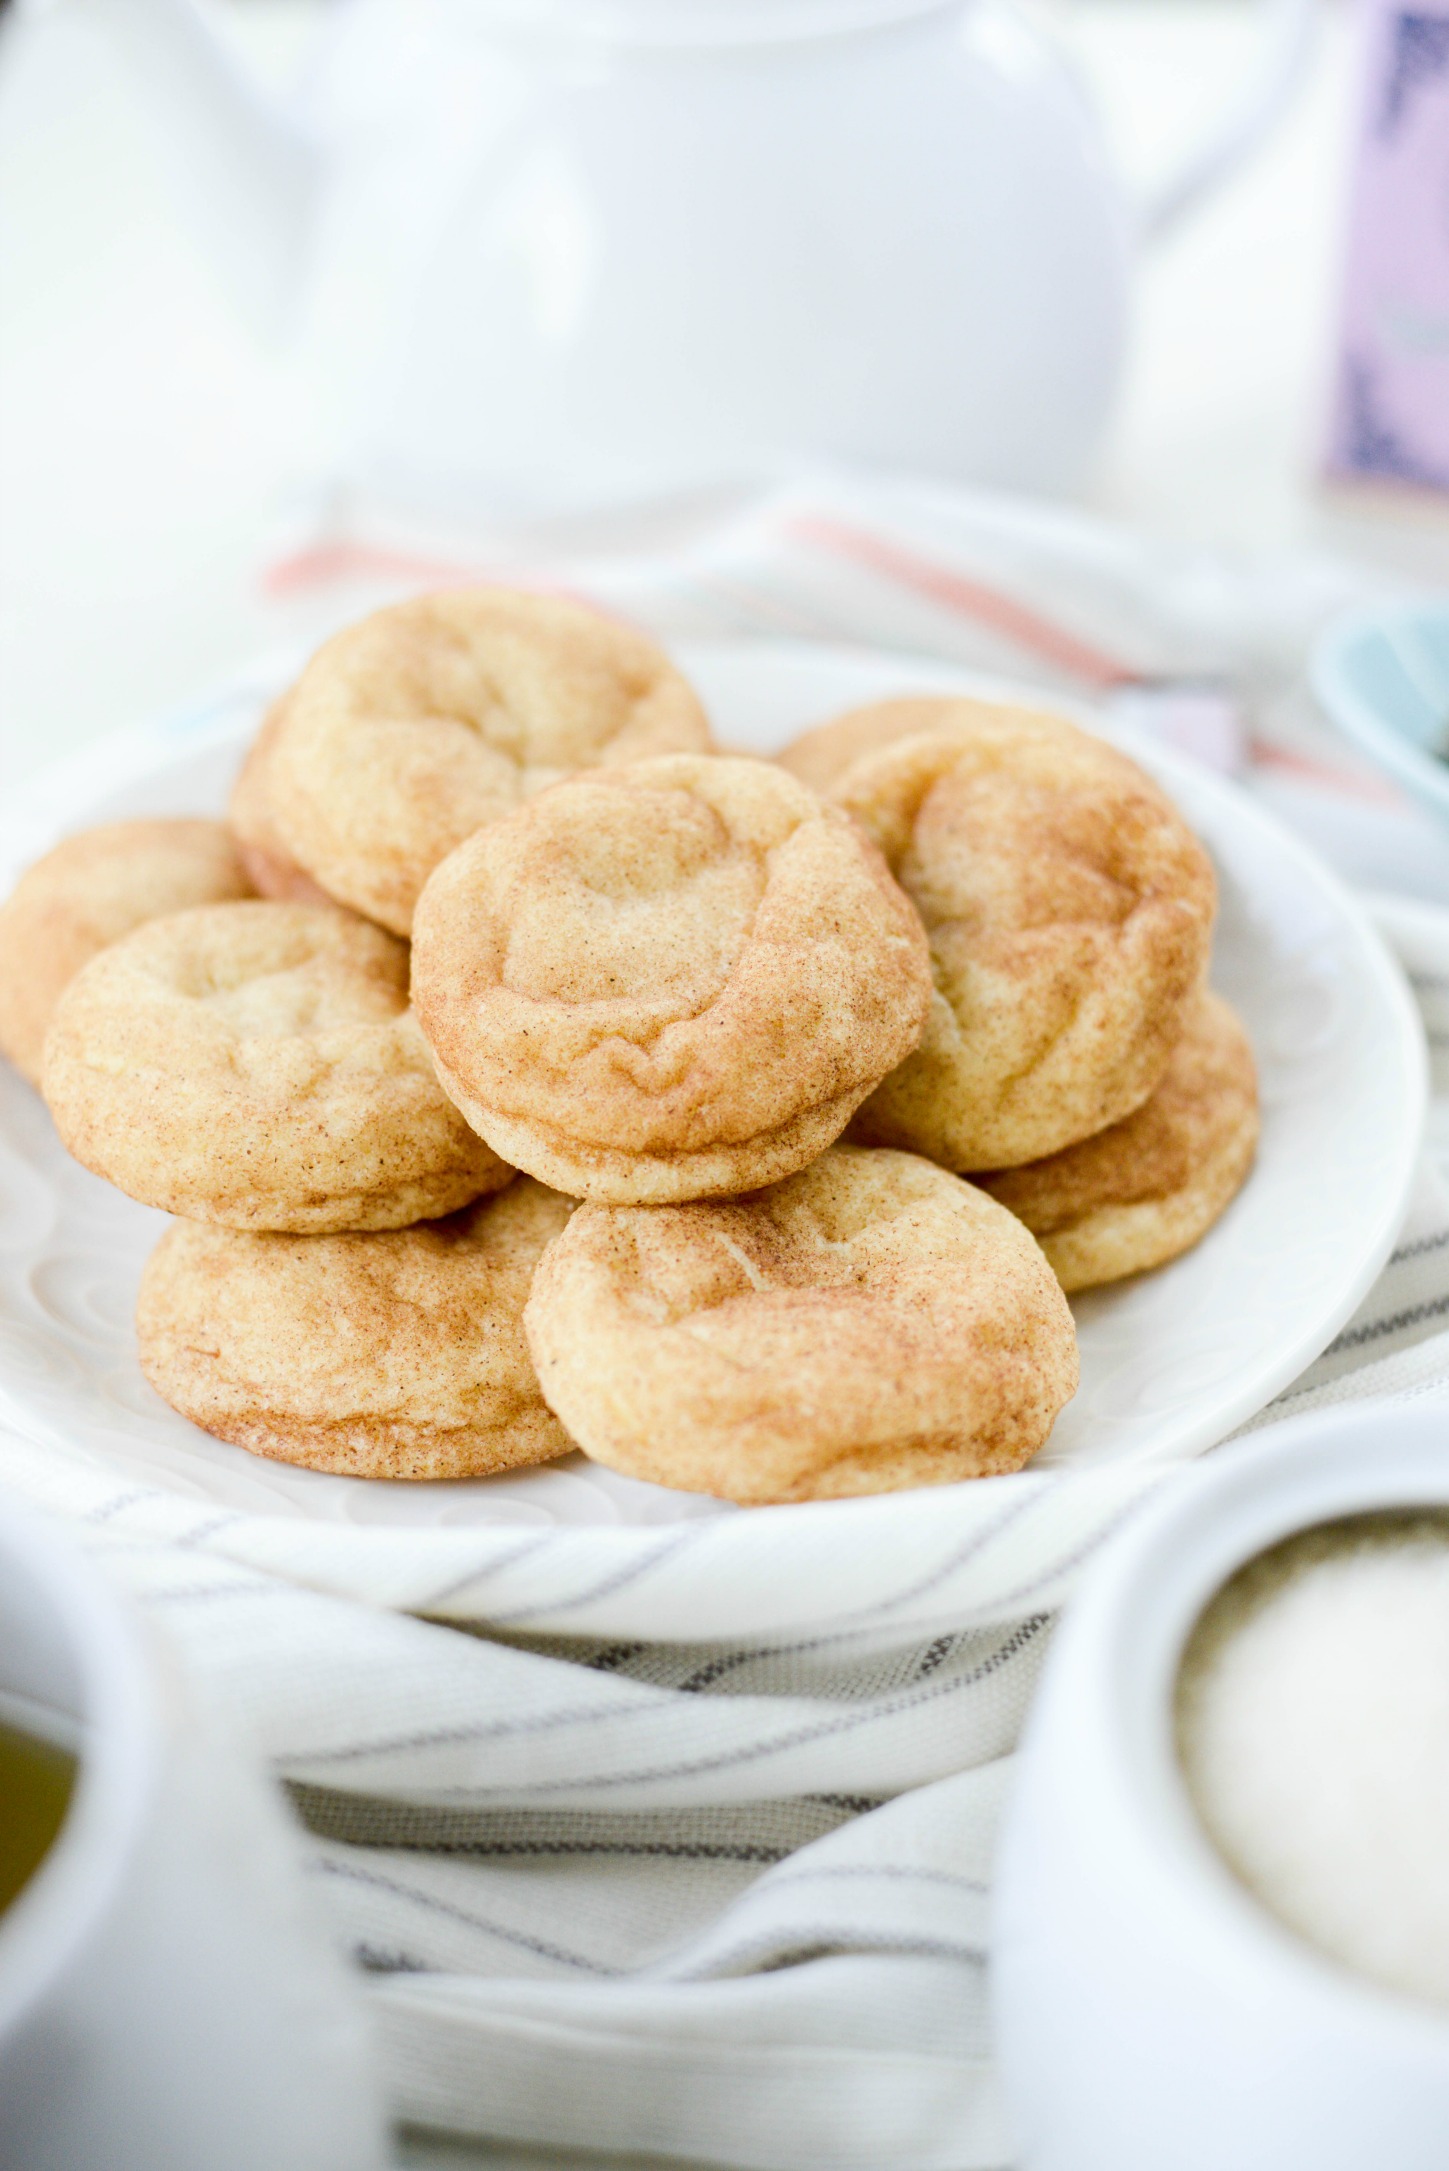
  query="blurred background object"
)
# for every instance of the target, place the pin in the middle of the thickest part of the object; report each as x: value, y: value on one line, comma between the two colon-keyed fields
x: 149, y: 439
x: 1391, y: 408
x: 168, y: 1991
x: 1383, y: 676
x: 546, y: 254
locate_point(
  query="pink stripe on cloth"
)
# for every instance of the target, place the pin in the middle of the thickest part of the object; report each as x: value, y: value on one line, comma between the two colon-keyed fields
x: 322, y: 563
x: 972, y: 598
x: 1356, y: 784
x: 334, y: 565
x: 826, y: 563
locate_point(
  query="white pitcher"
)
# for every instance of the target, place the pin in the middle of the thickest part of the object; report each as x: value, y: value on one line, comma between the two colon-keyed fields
x: 544, y: 253
x: 167, y: 1999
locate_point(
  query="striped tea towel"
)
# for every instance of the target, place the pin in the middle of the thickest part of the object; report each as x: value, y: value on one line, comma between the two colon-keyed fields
x: 676, y: 1842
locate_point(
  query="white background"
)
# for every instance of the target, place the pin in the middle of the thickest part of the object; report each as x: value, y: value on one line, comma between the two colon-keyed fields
x: 144, y: 428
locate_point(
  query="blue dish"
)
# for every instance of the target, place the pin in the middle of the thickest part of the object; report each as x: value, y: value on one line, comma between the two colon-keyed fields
x: 1382, y: 675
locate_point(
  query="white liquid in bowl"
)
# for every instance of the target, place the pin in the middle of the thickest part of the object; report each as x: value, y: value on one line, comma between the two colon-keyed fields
x: 1313, y: 1731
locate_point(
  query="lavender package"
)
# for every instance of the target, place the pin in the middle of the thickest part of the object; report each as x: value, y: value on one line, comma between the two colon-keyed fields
x: 1391, y: 412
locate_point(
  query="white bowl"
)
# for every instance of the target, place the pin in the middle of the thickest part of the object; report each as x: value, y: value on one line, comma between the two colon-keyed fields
x: 167, y: 2000
x: 1383, y: 677
x: 1150, y: 2014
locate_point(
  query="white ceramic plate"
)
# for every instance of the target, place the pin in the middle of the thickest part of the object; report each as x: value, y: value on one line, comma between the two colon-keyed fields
x: 1170, y: 1362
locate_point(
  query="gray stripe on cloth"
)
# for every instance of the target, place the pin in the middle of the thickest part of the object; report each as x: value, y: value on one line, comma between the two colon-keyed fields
x: 525, y: 1550
x: 482, y: 1730
x: 211, y: 1527
x: 619, y: 1580
x: 765, y: 1831
x: 374, y: 1961
x: 971, y: 1548
x: 1376, y: 1330
x: 881, y: 1869
x: 190, y: 1594
x: 545, y: 1947
x: 814, y: 1944
x: 1420, y: 1248
x: 695, y: 1669
x: 1065, y: 1562
x: 119, y: 1503
x: 726, y: 1759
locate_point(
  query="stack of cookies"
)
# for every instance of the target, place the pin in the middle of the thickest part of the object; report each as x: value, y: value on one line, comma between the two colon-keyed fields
x: 526, y: 1075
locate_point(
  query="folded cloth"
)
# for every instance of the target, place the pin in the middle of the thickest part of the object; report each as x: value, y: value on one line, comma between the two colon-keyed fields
x: 677, y: 1841
x: 1205, y: 649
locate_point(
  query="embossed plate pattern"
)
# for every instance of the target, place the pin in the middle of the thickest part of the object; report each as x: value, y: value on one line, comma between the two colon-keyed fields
x: 1170, y: 1363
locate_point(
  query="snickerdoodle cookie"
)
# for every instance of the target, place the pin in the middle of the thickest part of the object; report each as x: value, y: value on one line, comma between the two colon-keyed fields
x: 410, y: 730
x: 669, y: 981
x: 1145, y: 1190
x: 396, y: 1355
x: 820, y: 756
x: 256, y: 1064
x: 1070, y: 912
x: 273, y: 871
x: 88, y: 892
x: 868, y: 1324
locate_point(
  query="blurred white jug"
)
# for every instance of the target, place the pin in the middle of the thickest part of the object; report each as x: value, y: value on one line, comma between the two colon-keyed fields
x: 167, y: 2001
x: 550, y: 252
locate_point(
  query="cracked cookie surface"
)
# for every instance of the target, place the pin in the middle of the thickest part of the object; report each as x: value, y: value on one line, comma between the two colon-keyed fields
x: 273, y: 871
x: 1070, y: 913
x: 392, y: 1355
x: 417, y: 726
x: 820, y: 756
x: 674, y: 980
x: 88, y: 892
x: 1145, y: 1190
x: 257, y: 1064
x: 870, y: 1323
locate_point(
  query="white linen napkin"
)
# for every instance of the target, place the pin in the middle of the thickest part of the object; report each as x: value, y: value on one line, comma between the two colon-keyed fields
x: 678, y: 1840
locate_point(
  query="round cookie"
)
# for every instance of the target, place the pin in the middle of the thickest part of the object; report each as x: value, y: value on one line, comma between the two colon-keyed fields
x: 397, y: 1355
x: 273, y: 871
x: 257, y: 1064
x: 410, y: 730
x: 1070, y: 912
x: 870, y: 1323
x: 675, y: 980
x: 821, y: 756
x: 88, y: 892
x: 1140, y: 1193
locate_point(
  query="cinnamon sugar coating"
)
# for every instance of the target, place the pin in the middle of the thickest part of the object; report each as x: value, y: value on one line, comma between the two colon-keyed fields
x: 1145, y: 1190
x: 393, y: 1355
x: 86, y: 893
x: 257, y: 1064
x: 1070, y: 912
x: 820, y: 756
x: 868, y: 1324
x: 673, y: 980
x: 273, y: 871
x: 419, y: 725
